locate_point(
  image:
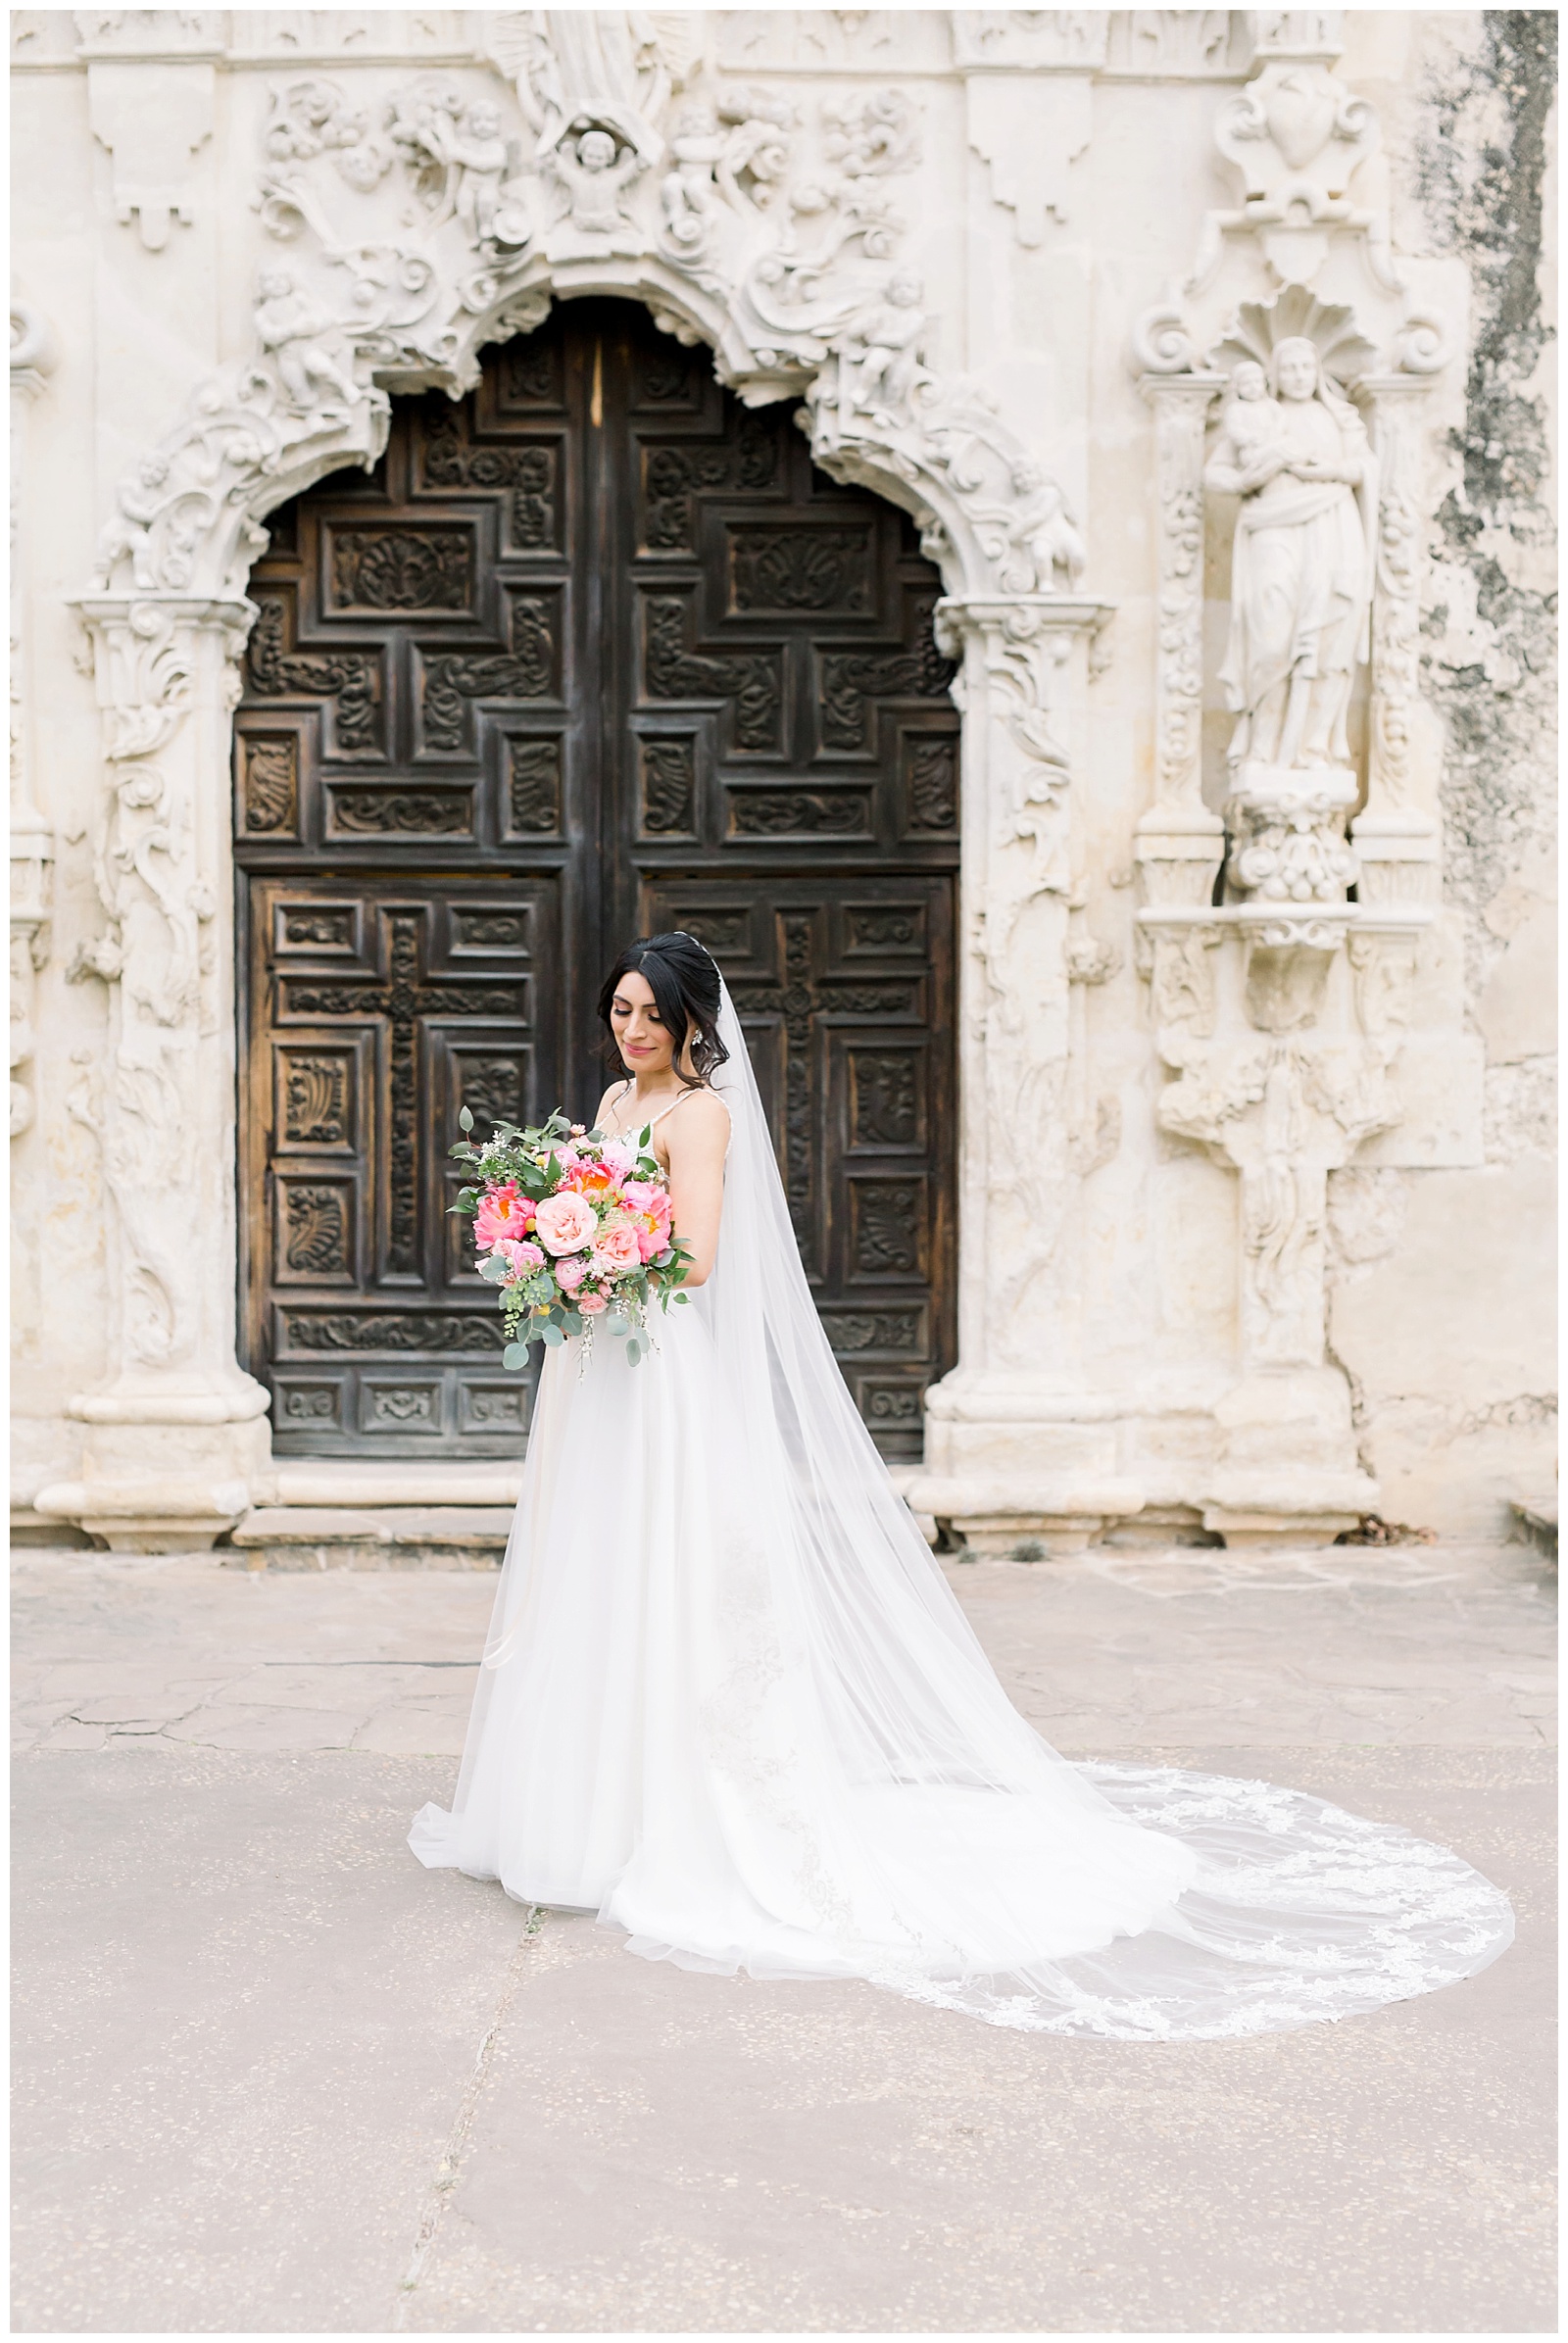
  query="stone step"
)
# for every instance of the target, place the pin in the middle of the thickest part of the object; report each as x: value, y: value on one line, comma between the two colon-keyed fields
x: 344, y: 1481
x: 342, y: 1515
x: 370, y: 1537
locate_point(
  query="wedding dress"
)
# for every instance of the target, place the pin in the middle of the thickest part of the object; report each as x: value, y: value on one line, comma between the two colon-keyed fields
x: 729, y: 1703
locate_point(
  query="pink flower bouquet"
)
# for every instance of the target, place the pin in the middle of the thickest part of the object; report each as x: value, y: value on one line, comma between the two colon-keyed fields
x: 574, y: 1228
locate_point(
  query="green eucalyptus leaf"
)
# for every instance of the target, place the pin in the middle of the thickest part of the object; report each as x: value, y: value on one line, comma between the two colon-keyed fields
x: 516, y: 1355
x: 551, y: 1336
x: 465, y: 1119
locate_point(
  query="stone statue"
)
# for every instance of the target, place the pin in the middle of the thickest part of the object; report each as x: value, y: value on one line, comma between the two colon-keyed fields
x: 298, y: 334
x: 881, y: 354
x: 1042, y: 528
x: 1301, y: 572
x: 606, y: 64
x: 687, y: 192
x: 594, y: 175
x: 128, y: 533
x: 476, y: 155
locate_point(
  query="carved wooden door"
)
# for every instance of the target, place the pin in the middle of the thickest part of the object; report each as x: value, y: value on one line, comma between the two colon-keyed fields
x: 594, y: 651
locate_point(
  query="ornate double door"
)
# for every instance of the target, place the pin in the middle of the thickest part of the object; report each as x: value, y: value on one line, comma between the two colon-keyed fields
x: 593, y: 653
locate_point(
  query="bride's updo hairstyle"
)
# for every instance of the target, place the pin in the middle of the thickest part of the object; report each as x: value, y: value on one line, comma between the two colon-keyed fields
x: 684, y: 983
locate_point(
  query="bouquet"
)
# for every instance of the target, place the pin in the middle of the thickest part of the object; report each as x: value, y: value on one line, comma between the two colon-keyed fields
x: 575, y: 1231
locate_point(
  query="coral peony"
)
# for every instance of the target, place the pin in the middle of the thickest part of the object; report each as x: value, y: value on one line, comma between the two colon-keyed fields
x: 503, y: 1212
x: 649, y: 1208
x: 570, y: 1273
x: 615, y: 1251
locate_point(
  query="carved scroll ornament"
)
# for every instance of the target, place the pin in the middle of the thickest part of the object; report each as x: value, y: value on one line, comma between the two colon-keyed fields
x: 404, y: 237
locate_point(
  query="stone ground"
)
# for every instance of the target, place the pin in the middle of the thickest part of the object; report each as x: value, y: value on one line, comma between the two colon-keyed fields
x: 271, y: 2077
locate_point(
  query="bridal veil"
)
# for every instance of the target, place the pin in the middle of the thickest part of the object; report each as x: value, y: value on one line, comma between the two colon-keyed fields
x: 808, y: 1767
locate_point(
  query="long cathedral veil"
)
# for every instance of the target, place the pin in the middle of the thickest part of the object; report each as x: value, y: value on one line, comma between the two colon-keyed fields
x: 1231, y: 1906
x: 833, y: 1782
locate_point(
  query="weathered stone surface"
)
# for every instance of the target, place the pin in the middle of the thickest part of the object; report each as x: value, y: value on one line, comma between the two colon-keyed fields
x: 1163, y: 1093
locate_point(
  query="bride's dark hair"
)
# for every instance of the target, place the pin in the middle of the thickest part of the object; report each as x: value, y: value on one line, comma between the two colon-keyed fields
x: 684, y: 983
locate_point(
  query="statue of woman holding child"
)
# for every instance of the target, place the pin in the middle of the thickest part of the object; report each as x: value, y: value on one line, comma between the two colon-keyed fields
x: 1295, y: 450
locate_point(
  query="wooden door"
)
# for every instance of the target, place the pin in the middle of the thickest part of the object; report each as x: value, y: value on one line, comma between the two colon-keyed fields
x: 594, y: 651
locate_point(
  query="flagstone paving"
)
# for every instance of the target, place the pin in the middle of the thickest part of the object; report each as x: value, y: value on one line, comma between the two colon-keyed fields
x: 272, y: 2077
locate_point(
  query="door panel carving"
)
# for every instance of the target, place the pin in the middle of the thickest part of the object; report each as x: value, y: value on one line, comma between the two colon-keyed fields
x: 569, y: 666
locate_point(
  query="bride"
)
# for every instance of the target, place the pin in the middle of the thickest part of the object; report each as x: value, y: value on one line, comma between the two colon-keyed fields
x: 729, y: 1703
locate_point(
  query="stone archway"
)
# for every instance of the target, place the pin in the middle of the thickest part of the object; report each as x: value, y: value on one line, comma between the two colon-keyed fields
x: 178, y: 1441
x: 597, y: 650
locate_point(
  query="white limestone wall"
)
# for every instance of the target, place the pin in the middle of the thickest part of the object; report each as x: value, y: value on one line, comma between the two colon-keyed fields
x: 59, y: 1250
x: 1444, y: 1306
x: 1065, y: 166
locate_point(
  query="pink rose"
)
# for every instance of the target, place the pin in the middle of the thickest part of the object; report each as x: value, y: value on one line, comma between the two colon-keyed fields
x: 617, y: 1155
x: 615, y: 1252
x: 570, y: 1274
x: 503, y: 1212
x: 563, y: 1222
x: 522, y: 1256
x: 591, y: 1304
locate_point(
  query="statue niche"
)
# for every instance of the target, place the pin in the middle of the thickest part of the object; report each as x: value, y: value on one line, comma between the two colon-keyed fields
x: 1295, y: 450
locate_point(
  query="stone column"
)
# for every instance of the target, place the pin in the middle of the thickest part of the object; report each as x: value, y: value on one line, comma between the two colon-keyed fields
x: 1015, y: 1449
x: 1396, y: 836
x: 176, y: 1431
x: 1180, y: 840
x: 33, y: 844
x: 1179, y: 844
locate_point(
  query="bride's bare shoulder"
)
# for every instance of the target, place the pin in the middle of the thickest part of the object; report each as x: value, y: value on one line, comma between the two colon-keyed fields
x: 703, y: 1121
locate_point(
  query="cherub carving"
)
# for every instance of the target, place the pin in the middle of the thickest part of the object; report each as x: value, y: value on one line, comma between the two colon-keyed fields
x: 128, y: 533
x: 475, y: 155
x: 687, y: 192
x: 1041, y: 528
x: 880, y: 354
x: 299, y: 336
x: 594, y: 176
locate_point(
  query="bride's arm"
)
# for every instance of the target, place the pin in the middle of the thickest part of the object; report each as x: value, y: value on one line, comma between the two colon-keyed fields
x: 696, y: 1138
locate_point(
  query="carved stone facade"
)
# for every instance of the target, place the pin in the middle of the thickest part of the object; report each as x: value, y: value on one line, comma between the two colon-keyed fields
x: 1033, y: 276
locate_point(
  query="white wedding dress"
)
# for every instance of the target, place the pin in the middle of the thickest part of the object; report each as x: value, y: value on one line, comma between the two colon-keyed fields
x: 729, y: 1703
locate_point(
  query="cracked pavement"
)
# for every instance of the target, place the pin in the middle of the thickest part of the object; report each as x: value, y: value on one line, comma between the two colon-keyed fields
x: 271, y: 2077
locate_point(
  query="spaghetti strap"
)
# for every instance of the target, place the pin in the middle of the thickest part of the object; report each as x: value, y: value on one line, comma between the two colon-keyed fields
x: 670, y: 1109
x: 622, y: 1128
